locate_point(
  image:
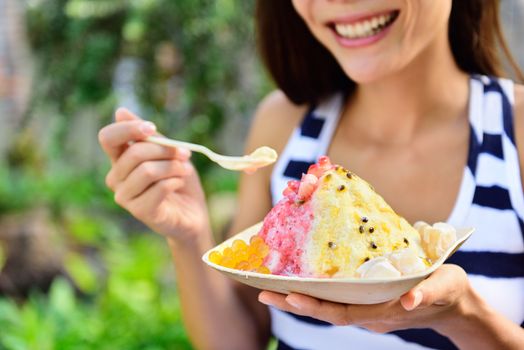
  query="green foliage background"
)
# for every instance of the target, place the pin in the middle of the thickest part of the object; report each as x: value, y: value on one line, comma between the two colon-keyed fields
x: 125, y: 295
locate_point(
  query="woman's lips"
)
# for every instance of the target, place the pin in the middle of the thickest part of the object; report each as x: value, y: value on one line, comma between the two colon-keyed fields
x: 364, y: 30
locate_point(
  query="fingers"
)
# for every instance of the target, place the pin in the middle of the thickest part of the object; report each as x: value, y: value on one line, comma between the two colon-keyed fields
x: 343, y: 314
x: 279, y: 301
x: 335, y: 313
x: 411, y: 300
x: 299, y: 304
x: 442, y: 287
x: 275, y: 299
x: 146, y: 175
x: 116, y: 137
x: 123, y: 114
x: 144, y: 206
x: 327, y: 311
x: 139, y: 153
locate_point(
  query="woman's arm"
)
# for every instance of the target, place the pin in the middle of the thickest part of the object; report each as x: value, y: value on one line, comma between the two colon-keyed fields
x: 160, y: 187
x: 479, y: 326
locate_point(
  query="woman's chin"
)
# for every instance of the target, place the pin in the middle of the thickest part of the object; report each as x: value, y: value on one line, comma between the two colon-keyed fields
x: 364, y: 80
x: 361, y: 78
x: 366, y: 72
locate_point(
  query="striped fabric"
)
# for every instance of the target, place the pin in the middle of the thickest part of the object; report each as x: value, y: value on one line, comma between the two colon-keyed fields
x: 490, y: 199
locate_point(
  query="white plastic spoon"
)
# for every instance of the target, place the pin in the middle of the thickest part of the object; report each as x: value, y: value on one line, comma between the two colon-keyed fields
x: 259, y: 158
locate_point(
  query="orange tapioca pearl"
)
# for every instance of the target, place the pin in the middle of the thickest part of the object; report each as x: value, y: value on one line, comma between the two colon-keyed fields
x: 263, y: 250
x: 252, y: 249
x: 255, y: 240
x: 263, y: 269
x: 228, y: 261
x: 241, y: 255
x: 254, y: 261
x: 215, y: 257
x: 255, y: 243
x: 227, y: 252
x: 238, y: 245
x: 243, y: 265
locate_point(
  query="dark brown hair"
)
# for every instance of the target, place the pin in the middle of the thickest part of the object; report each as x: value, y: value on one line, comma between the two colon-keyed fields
x: 306, y: 71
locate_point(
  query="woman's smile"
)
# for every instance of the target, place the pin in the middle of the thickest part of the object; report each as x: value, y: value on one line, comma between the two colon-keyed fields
x: 362, y: 29
x: 376, y: 39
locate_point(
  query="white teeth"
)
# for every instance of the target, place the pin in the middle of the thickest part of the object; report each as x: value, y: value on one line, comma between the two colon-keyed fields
x: 364, y: 28
x: 367, y: 26
x: 360, y: 29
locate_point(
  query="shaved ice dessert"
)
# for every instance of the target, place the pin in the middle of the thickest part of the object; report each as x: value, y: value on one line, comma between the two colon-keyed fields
x: 332, y: 223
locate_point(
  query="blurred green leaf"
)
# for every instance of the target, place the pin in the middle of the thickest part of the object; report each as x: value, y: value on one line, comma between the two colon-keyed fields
x: 9, y: 314
x: 134, y: 30
x: 13, y: 342
x: 61, y: 297
x: 2, y: 256
x: 89, y: 8
x: 81, y: 272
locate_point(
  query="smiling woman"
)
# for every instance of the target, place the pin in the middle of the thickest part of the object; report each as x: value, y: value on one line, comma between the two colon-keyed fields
x: 409, y: 95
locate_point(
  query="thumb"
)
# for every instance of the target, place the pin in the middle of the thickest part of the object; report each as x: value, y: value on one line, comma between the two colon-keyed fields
x: 124, y: 114
x: 442, y: 287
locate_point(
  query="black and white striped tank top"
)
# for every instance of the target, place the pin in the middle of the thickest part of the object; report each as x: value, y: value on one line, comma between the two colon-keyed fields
x: 490, y: 199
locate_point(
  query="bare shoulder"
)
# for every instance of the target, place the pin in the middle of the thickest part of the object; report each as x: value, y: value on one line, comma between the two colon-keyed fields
x: 519, y: 114
x: 274, y: 120
x: 519, y: 125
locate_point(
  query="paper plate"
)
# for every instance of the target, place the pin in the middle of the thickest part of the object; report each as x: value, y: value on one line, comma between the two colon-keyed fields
x: 343, y: 290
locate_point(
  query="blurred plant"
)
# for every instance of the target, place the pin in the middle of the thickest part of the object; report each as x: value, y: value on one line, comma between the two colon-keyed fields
x: 2, y: 256
x: 135, y: 308
x: 192, y: 57
x: 194, y: 72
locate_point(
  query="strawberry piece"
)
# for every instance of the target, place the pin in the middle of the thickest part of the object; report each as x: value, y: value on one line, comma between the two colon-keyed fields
x: 308, y: 184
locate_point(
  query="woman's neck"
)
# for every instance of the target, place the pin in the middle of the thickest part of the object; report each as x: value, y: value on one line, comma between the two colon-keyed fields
x: 431, y: 89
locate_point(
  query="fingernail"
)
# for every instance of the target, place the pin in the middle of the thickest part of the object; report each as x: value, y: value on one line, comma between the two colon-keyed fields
x: 184, y: 152
x: 418, y: 299
x: 187, y: 166
x: 293, y: 303
x: 263, y: 300
x: 148, y: 128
